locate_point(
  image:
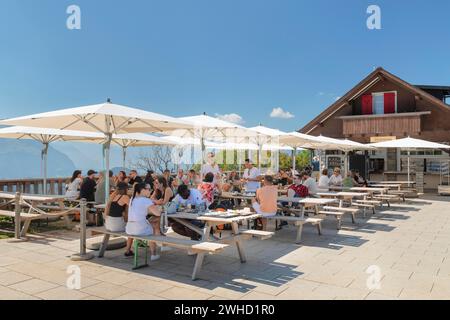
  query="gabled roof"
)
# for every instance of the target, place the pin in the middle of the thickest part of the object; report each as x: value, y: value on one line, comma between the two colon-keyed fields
x: 374, y: 77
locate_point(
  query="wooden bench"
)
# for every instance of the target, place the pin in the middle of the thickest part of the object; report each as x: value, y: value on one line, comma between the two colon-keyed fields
x: 299, y: 222
x: 337, y: 214
x: 387, y: 198
x: 365, y: 205
x: 351, y: 211
x: 26, y: 218
x: 261, y: 235
x: 197, y: 247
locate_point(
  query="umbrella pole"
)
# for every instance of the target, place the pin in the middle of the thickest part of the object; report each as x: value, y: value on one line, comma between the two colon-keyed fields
x: 409, y: 171
x: 124, y: 157
x: 293, y: 159
x: 259, y: 157
x: 107, y: 147
x: 44, y: 161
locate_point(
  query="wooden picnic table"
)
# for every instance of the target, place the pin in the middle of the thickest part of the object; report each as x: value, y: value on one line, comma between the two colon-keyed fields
x: 211, y: 221
x: 397, y: 186
x: 370, y: 190
x: 306, y: 202
x: 32, y: 201
x: 343, y: 195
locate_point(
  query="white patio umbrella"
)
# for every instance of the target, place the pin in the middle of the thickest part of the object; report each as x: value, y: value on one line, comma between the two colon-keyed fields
x: 128, y: 140
x: 47, y: 136
x: 345, y: 145
x: 264, y: 135
x: 409, y: 144
x: 298, y: 140
x: 204, y: 127
x: 106, y: 118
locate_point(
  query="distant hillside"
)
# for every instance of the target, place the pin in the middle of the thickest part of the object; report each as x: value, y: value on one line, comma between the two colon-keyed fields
x: 22, y: 159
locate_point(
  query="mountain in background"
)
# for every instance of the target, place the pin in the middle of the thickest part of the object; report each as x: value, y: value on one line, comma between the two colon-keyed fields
x: 22, y: 159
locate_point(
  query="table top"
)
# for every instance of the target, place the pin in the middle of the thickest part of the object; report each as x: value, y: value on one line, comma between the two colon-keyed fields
x: 369, y: 189
x: 219, y: 219
x: 387, y: 185
x: 392, y: 182
x: 307, y: 200
x: 32, y: 197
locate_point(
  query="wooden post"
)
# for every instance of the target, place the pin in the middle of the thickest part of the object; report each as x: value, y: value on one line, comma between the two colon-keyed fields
x: 17, y: 219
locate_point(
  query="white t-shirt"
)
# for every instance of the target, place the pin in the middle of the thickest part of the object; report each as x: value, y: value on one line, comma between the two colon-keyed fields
x: 253, y: 173
x: 336, y: 181
x: 311, y: 184
x: 324, y: 182
x: 207, y: 168
x: 73, y: 189
x: 138, y: 209
x: 195, y: 198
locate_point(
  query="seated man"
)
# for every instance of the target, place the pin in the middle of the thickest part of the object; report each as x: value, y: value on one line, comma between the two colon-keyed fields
x: 310, y: 183
x: 266, y: 199
x: 298, y: 190
x: 359, y: 180
x: 187, y: 197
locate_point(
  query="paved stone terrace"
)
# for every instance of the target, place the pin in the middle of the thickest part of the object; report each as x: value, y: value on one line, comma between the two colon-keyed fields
x: 410, y: 243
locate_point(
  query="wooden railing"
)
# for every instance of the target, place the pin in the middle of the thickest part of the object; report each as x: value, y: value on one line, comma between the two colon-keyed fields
x: 55, y: 186
x: 388, y: 124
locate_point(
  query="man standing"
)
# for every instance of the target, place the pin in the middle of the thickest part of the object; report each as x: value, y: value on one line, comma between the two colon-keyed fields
x: 211, y: 167
x: 251, y: 177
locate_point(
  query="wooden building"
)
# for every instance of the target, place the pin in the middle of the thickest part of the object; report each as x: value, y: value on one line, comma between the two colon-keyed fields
x: 383, y: 106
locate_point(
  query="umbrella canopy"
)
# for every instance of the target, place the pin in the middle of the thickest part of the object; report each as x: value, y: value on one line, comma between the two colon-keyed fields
x: 409, y: 144
x: 345, y: 144
x: 204, y: 127
x: 47, y: 136
x: 106, y: 118
x: 264, y: 135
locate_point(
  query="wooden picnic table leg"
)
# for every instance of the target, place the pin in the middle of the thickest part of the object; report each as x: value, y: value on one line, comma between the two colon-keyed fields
x: 206, y: 231
x: 239, y: 245
x: 298, y: 238
x: 66, y: 216
x: 104, y: 245
x: 25, y: 227
x: 198, y: 265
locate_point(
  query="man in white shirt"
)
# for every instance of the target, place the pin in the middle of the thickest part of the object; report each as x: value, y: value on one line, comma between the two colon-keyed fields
x: 251, y: 177
x: 310, y: 183
x: 188, y: 196
x: 211, y: 166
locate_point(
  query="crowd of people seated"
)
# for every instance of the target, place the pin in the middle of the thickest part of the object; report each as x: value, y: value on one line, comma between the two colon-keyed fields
x: 135, y: 203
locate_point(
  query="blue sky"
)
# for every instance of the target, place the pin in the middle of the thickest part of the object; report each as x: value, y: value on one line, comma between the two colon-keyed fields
x: 186, y: 57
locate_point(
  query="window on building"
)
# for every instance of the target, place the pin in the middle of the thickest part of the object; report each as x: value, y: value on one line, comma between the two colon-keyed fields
x: 379, y: 103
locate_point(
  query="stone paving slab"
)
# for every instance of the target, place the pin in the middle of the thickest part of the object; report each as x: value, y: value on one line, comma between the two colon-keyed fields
x: 407, y: 248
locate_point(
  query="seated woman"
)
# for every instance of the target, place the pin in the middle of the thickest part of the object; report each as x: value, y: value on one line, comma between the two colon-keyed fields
x: 116, y: 211
x: 359, y: 180
x: 162, y: 193
x: 138, y: 225
x: 324, y: 180
x: 266, y: 199
x: 208, y: 189
x: 336, y: 178
x: 120, y: 177
x: 73, y: 188
x: 348, y: 180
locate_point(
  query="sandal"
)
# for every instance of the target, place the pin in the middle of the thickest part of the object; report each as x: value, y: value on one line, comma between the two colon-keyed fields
x: 129, y: 254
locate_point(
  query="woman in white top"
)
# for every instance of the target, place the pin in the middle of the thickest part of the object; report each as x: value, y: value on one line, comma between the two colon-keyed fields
x: 324, y: 180
x: 138, y: 225
x: 73, y: 188
x: 336, y: 178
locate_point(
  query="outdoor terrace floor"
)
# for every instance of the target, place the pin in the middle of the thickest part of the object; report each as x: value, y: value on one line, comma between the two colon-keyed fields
x: 410, y: 243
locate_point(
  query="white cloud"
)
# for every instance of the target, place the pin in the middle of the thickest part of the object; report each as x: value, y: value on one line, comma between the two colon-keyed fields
x: 231, y: 117
x: 280, y: 113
